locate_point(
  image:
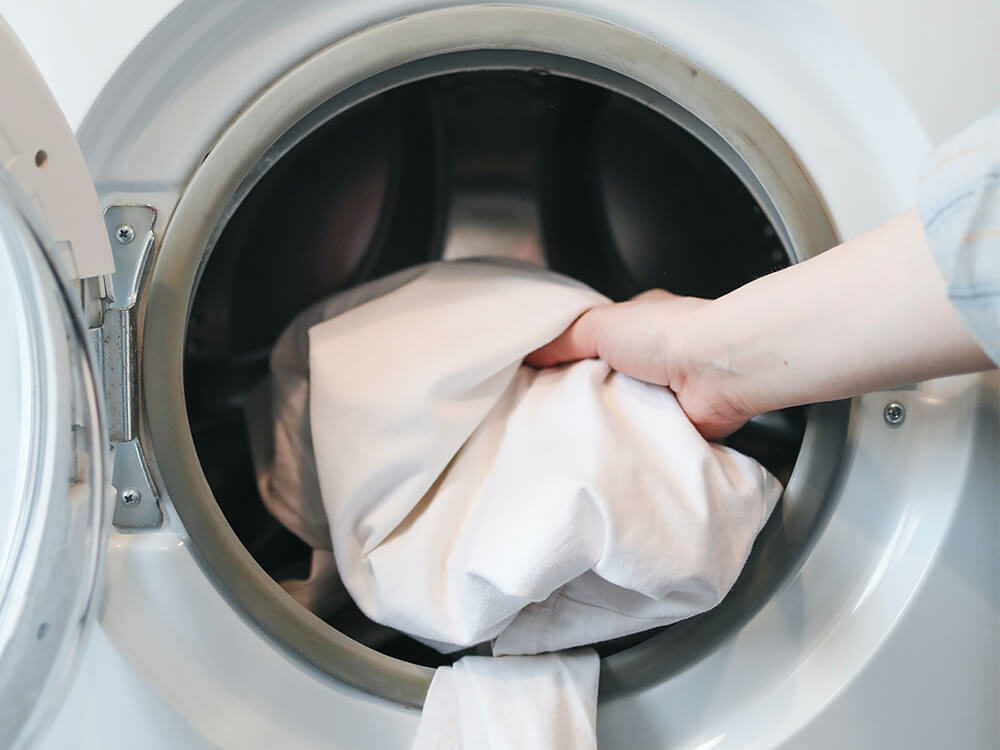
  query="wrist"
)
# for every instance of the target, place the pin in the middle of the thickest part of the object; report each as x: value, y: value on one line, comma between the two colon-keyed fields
x: 714, y: 367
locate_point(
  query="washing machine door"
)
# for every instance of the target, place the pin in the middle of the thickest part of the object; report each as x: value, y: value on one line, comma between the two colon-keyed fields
x: 54, y: 494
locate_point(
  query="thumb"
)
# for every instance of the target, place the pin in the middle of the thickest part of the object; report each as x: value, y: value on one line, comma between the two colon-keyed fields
x: 579, y: 341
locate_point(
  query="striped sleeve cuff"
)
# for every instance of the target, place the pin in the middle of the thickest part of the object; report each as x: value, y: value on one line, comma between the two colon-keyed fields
x: 960, y: 208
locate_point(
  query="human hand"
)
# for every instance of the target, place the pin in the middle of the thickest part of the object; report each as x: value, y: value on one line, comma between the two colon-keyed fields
x: 644, y: 338
x: 819, y: 330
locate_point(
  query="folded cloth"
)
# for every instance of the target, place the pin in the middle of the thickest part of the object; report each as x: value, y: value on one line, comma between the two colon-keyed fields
x: 513, y: 703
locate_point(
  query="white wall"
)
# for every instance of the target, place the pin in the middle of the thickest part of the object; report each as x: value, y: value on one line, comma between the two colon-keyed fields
x: 76, y: 49
x: 943, y: 55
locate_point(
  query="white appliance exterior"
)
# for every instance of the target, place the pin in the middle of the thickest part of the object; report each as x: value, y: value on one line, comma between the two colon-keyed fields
x: 909, y: 659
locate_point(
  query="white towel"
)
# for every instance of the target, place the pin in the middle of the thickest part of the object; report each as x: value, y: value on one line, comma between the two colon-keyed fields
x: 472, y: 499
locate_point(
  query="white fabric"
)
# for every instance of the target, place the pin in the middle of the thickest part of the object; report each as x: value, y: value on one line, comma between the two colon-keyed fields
x: 278, y: 419
x: 473, y: 499
x: 513, y: 703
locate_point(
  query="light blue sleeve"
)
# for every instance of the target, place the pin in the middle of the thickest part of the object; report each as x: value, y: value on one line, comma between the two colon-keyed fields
x: 960, y: 208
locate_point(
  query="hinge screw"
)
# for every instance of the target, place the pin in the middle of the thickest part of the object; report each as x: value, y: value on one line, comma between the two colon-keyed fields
x: 131, y: 496
x: 894, y: 414
x: 124, y: 234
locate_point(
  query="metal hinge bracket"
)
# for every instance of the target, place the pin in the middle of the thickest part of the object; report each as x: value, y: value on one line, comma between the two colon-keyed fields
x: 130, y: 230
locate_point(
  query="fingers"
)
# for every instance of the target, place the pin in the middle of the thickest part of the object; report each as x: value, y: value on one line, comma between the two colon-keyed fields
x: 577, y: 342
x: 582, y: 339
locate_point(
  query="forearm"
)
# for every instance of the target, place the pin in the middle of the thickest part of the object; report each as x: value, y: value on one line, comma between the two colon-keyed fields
x: 866, y: 315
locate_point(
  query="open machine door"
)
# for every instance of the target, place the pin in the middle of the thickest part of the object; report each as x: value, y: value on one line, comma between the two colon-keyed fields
x: 54, y: 491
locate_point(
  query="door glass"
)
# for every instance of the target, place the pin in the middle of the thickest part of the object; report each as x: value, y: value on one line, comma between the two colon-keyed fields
x: 53, y: 497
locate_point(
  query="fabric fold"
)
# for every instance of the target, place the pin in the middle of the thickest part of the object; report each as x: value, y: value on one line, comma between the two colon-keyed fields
x: 470, y: 499
x: 513, y: 703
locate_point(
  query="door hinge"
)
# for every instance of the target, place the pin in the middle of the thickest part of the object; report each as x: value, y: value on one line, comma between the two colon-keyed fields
x: 137, y: 504
x: 121, y: 382
x: 130, y: 231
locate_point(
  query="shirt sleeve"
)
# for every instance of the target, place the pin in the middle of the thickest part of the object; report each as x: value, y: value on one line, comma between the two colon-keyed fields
x: 960, y: 208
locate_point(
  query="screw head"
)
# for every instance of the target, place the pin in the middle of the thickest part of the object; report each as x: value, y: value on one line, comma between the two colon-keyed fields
x: 894, y: 414
x: 131, y: 496
x: 124, y: 234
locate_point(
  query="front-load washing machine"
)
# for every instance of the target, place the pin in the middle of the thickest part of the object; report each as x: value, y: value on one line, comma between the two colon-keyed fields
x: 249, y: 158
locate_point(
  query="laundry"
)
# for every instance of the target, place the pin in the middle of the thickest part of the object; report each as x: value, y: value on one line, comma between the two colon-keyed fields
x: 482, y: 702
x: 468, y: 498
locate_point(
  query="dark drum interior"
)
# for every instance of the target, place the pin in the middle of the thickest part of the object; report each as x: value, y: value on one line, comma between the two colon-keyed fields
x: 518, y: 163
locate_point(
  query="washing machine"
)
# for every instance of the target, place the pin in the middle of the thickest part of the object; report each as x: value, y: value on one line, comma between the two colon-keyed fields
x: 233, y: 162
